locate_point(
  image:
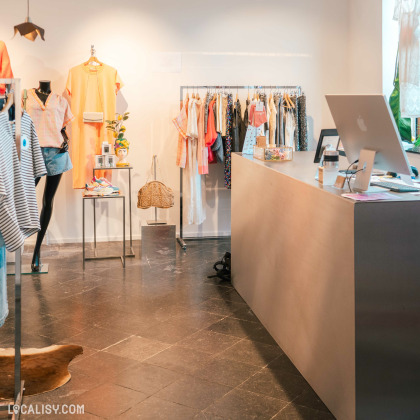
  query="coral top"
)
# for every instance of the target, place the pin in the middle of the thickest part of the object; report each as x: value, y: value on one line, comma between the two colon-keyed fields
x: 49, y: 119
x: 91, y: 89
x: 5, y: 68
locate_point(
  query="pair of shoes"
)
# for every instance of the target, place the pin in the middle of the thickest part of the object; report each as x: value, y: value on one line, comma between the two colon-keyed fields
x: 100, y: 187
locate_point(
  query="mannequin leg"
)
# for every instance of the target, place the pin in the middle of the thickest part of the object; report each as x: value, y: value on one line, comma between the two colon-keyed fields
x: 51, y: 186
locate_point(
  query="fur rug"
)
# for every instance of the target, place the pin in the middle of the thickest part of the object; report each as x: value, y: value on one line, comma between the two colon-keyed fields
x: 42, y: 369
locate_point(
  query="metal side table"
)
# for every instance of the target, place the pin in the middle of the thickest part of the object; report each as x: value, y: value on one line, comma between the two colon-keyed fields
x: 131, y: 253
x: 95, y: 257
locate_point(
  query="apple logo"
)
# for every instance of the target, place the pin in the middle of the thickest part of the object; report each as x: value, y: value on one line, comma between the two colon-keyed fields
x: 361, y: 124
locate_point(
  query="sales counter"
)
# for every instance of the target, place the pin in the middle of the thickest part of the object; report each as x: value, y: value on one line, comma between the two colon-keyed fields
x: 335, y: 282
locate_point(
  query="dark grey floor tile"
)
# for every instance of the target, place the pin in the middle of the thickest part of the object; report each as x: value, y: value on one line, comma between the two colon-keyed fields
x: 156, y: 409
x: 309, y: 398
x: 109, y: 400
x: 193, y: 392
x: 167, y: 332
x: 235, y: 327
x: 279, y: 385
x: 136, y: 348
x: 246, y: 314
x: 252, y: 352
x: 226, y: 372
x: 283, y: 364
x: 102, y: 366
x: 97, y: 338
x: 180, y: 359
x: 232, y: 295
x: 146, y: 378
x: 208, y: 341
x: 195, y: 318
x: 243, y: 405
x: 298, y: 412
x: 220, y: 306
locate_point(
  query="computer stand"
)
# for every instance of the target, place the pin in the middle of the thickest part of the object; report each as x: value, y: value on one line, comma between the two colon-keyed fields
x: 364, y: 174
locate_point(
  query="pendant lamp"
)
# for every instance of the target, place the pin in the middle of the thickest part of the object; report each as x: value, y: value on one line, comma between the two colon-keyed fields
x: 28, y: 29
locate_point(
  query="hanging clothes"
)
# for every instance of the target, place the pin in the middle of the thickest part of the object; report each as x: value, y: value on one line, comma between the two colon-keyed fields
x: 202, y: 149
x: 244, y: 127
x: 302, y: 123
x: 5, y: 66
x: 4, y: 307
x: 206, y: 111
x: 237, y: 127
x: 18, y: 206
x: 278, y: 102
x: 228, y: 142
x: 224, y: 114
x: 192, y: 125
x: 181, y: 123
x: 407, y: 13
x: 91, y: 89
x: 290, y: 129
x: 272, y: 121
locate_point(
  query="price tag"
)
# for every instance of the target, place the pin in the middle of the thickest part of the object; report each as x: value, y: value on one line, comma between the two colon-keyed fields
x: 24, y: 143
x: 259, y: 107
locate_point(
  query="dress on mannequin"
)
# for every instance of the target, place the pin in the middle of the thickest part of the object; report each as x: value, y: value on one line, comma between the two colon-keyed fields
x: 45, y: 106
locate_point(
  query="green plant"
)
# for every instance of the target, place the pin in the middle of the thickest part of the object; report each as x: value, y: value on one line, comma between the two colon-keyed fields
x: 117, y: 125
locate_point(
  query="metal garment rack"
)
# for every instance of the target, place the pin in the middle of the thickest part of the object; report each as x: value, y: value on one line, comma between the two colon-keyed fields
x: 19, y: 384
x: 231, y: 89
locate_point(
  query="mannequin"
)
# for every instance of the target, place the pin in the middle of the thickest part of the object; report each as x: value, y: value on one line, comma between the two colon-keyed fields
x: 51, y: 184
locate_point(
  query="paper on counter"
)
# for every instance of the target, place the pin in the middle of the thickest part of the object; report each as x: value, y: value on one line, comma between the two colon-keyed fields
x: 370, y: 197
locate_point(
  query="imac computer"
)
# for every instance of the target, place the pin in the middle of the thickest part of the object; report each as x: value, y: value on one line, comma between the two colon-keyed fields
x: 369, y: 135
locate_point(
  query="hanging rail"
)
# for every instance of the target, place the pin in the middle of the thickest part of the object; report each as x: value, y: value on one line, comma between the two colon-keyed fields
x: 293, y: 89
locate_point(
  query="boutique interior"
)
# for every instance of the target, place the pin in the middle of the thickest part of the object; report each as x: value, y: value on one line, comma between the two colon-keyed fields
x: 143, y: 143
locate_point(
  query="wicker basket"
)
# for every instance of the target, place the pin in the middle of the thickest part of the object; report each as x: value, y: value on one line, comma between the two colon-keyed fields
x: 155, y: 194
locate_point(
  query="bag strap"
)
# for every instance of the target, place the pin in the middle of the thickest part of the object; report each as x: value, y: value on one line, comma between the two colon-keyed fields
x: 99, y: 92
x: 152, y: 166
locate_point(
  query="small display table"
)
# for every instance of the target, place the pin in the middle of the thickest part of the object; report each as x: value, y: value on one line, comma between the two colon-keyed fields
x: 129, y: 168
x: 95, y: 257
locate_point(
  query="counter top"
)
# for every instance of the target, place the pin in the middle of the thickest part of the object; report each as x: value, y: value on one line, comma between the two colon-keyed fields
x: 303, y: 168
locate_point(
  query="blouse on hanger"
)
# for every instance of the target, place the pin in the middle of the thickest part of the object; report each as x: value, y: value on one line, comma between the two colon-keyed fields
x: 49, y: 119
x: 407, y: 13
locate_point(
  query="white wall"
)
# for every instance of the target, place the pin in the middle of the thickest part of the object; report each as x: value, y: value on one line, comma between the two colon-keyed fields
x: 365, y: 46
x: 221, y: 42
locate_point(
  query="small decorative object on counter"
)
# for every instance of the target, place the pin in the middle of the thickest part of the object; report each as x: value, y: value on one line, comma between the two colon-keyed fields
x: 274, y: 154
x: 121, y: 145
x: 106, y: 148
x: 330, y: 168
x: 110, y: 161
x: 99, y: 161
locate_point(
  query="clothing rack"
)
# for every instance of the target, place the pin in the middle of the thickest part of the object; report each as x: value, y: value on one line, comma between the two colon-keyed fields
x: 259, y: 88
x: 19, y: 384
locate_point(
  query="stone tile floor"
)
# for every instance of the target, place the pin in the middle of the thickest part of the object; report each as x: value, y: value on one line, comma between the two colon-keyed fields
x: 160, y: 339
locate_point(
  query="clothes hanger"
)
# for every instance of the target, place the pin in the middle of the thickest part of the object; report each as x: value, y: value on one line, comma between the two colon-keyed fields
x: 248, y: 94
x: 93, y: 59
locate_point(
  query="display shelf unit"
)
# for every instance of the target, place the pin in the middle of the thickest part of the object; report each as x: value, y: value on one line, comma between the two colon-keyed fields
x: 129, y: 168
x: 286, y: 89
x: 18, y: 382
x: 96, y: 257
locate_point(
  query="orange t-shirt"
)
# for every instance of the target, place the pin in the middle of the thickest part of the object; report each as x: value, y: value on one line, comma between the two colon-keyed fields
x: 5, y: 68
x: 91, y: 89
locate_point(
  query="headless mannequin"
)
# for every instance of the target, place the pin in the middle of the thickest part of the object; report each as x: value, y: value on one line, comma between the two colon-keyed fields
x: 51, y: 185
